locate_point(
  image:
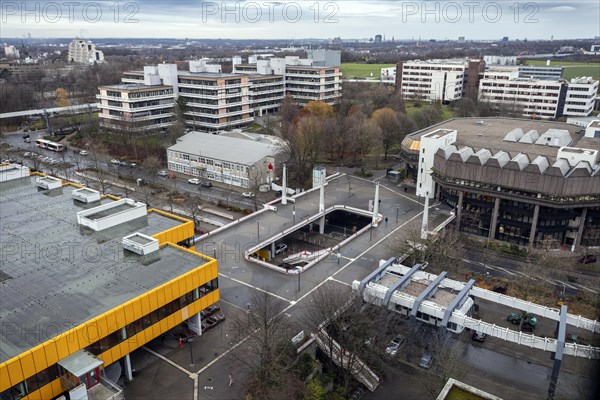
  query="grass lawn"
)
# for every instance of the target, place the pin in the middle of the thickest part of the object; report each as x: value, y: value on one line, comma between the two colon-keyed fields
x: 572, y: 69
x: 355, y: 70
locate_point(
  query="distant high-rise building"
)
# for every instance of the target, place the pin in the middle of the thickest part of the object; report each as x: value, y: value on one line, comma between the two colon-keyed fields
x: 461, y: 39
x: 505, y: 39
x: 11, y: 52
x: 83, y: 52
x: 378, y: 39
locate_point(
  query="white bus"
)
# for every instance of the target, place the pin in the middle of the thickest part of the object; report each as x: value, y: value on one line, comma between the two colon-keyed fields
x: 47, y: 144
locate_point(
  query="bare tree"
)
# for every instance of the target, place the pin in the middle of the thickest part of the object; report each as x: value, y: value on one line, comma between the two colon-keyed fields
x: 387, y: 120
x: 267, y: 333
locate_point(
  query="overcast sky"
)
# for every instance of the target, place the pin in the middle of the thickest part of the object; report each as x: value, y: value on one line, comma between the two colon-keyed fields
x: 348, y: 19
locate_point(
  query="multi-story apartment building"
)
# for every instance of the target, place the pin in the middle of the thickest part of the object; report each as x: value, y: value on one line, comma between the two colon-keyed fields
x: 529, y: 97
x: 310, y: 83
x: 266, y: 93
x: 581, y: 97
x: 136, y: 107
x: 84, y: 52
x: 305, y: 79
x: 522, y: 181
x: 217, y: 101
x: 432, y: 80
x: 542, y: 98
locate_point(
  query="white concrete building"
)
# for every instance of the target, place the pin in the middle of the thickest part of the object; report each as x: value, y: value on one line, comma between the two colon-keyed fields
x: 530, y: 97
x: 388, y: 74
x: 233, y: 158
x: 83, y: 52
x: 433, y: 80
x: 305, y: 79
x: 581, y: 96
x: 430, y: 144
x: 136, y: 107
x: 11, y: 52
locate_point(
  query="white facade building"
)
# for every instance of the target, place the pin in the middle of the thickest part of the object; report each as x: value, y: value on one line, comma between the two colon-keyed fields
x: 581, y: 96
x: 83, y: 52
x: 388, y: 74
x: 305, y: 79
x: 430, y: 144
x: 11, y: 52
x: 532, y: 98
x: 433, y: 80
x: 244, y: 160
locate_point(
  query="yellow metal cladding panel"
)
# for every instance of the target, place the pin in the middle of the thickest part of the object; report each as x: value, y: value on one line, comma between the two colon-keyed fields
x: 27, y: 365
x: 145, y: 302
x: 136, y: 307
x: 62, y: 347
x: 10, y: 371
x: 39, y: 358
x: 56, y: 386
x: 51, y: 354
x: 160, y: 296
x: 129, y: 313
x: 115, y: 319
x: 153, y: 300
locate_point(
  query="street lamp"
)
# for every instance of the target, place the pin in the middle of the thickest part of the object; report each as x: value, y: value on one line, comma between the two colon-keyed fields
x: 257, y: 231
x: 191, y: 341
x: 299, y: 269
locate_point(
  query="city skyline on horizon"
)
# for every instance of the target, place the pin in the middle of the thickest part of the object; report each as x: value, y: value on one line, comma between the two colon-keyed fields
x: 302, y: 20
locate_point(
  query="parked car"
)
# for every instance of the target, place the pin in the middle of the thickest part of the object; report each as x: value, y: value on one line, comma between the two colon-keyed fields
x: 114, y: 161
x: 123, y: 163
x: 194, y: 181
x: 26, y: 136
x: 248, y: 195
x: 133, y: 165
x: 206, y: 184
x: 529, y: 320
x: 280, y: 248
x: 588, y: 259
x: 478, y: 336
x: 83, y: 153
x: 426, y: 360
x: 393, y: 347
x: 162, y: 173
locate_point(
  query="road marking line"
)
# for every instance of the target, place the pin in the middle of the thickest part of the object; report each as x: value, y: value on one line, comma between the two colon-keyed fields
x: 509, y: 272
x: 400, y: 194
x: 586, y: 288
x: 233, y: 305
x: 338, y: 281
x: 172, y: 363
x: 256, y: 288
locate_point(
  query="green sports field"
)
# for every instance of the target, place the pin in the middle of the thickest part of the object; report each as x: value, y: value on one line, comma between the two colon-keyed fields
x: 573, y: 69
x: 356, y: 70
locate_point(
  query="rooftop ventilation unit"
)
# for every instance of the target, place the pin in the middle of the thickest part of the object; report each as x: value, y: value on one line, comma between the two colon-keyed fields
x: 140, y: 244
x: 48, y: 182
x: 86, y: 195
x: 112, y: 214
x: 9, y: 172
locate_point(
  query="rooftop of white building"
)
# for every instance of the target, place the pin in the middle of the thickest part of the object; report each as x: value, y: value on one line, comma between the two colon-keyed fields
x: 236, y: 147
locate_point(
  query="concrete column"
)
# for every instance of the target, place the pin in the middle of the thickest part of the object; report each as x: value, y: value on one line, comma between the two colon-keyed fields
x: 126, y: 359
x: 536, y: 213
x: 581, y: 225
x: 322, y: 207
x: 425, y: 222
x: 374, y: 221
x: 461, y: 194
x: 284, y: 184
x: 194, y: 323
x: 494, y: 221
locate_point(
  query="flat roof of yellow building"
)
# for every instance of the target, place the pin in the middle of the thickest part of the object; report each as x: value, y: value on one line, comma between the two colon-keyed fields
x: 57, y: 274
